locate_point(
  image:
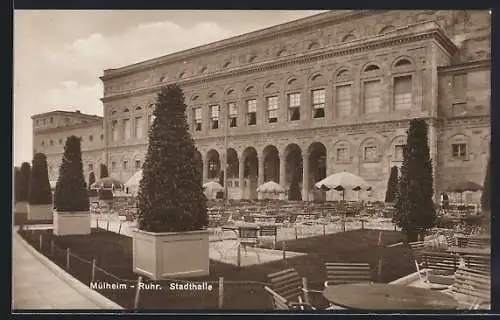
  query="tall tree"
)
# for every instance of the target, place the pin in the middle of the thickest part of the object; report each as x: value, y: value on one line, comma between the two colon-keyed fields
x: 24, y: 182
x: 392, y: 185
x: 71, y: 189
x: 486, y: 195
x: 104, y: 171
x: 171, y: 197
x: 39, y: 190
x: 414, y: 206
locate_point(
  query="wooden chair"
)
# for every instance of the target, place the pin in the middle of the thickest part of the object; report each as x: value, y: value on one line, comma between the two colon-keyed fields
x: 280, y: 303
x: 417, y: 247
x: 347, y: 272
x: 266, y: 232
x: 472, y: 289
x: 289, y: 285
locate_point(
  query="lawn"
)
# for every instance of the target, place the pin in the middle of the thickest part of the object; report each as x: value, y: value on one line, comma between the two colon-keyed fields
x: 243, y: 287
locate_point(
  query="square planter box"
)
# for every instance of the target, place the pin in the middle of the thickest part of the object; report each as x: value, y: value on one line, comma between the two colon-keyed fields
x: 21, y: 207
x: 71, y: 223
x: 171, y: 254
x: 40, y: 211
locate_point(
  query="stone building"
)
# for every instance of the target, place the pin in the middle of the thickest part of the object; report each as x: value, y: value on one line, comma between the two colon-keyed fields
x: 319, y: 95
x: 51, y: 129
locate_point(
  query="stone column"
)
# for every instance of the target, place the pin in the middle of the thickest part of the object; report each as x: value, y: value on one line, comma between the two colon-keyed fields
x: 260, y: 179
x: 305, y: 176
x: 241, y: 171
x: 282, y: 177
x: 205, y: 170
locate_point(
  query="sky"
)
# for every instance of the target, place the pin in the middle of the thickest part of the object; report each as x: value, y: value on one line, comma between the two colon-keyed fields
x: 59, y: 55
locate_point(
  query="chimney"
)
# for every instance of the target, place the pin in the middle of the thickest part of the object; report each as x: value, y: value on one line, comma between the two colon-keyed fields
x: 77, y: 111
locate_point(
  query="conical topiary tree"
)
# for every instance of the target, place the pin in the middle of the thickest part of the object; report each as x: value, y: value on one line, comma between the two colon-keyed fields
x: 486, y: 194
x: 170, y: 197
x: 17, y: 184
x: 414, y: 206
x: 104, y: 171
x: 392, y: 185
x: 39, y: 190
x: 71, y: 189
x: 24, y: 182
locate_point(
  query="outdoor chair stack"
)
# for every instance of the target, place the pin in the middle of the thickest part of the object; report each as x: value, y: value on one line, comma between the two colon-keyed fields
x: 347, y: 272
x: 268, y: 233
x: 478, y: 242
x: 442, y: 262
x: 471, y: 288
x: 480, y: 263
x: 417, y: 247
x: 290, y: 286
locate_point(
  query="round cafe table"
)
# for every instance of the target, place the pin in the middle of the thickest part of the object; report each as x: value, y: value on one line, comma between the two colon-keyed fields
x: 381, y: 296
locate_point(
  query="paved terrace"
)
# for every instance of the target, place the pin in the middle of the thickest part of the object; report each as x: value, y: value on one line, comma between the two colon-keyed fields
x: 38, y: 283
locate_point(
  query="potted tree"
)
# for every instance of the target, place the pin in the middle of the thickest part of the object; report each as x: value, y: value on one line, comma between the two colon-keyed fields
x: 171, y: 239
x: 40, y: 195
x: 71, y: 214
x: 104, y: 193
x: 390, y: 194
x: 23, y: 191
x: 415, y: 210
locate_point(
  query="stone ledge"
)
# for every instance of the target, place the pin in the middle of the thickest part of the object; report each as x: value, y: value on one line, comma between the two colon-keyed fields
x: 92, y: 295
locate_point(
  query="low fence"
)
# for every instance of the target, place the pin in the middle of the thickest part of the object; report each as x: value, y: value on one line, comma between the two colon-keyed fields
x: 145, y: 293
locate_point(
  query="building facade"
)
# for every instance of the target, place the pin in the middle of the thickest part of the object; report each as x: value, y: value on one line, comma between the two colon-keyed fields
x: 319, y: 95
x: 51, y: 129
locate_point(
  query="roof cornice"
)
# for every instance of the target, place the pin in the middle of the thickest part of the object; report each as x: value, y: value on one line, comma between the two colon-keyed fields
x: 241, y: 40
x: 98, y: 123
x: 69, y: 113
x: 468, y: 66
x: 413, y: 33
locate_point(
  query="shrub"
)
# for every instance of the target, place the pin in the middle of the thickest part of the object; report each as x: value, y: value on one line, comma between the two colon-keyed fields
x: 71, y: 189
x: 17, y: 184
x: 414, y: 206
x: 24, y: 182
x: 91, y: 179
x: 39, y: 190
x: 170, y: 197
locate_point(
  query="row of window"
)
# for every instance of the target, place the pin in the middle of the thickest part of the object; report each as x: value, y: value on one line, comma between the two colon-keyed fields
x: 130, y: 129
x: 50, y: 120
x: 51, y: 142
x: 125, y: 165
x: 372, y: 100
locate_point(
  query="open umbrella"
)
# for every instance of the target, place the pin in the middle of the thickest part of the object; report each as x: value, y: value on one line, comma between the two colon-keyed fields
x: 107, y: 183
x: 343, y: 181
x: 213, y: 186
x: 132, y: 184
x: 462, y: 186
x: 271, y: 187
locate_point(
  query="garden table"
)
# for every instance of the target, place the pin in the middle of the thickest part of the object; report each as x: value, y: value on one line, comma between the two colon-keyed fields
x: 381, y: 296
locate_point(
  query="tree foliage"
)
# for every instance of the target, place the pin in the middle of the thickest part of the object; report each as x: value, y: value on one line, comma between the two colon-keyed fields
x: 414, y: 206
x: 486, y: 194
x: 71, y: 189
x: 104, y: 171
x: 170, y: 197
x: 24, y: 182
x: 39, y: 190
x: 392, y: 185
x: 17, y: 184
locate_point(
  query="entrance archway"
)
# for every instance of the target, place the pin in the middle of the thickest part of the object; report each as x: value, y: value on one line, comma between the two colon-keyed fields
x: 293, y: 169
